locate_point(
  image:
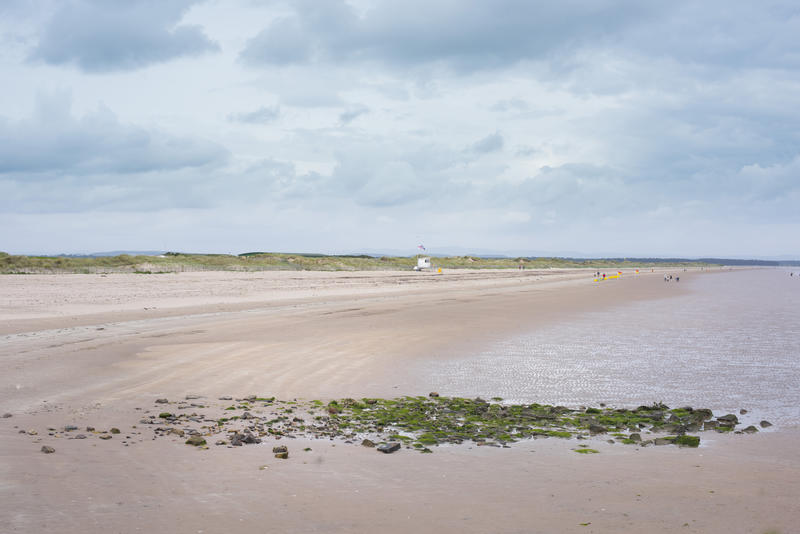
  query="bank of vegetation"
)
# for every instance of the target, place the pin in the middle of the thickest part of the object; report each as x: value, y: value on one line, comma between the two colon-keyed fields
x: 172, y: 262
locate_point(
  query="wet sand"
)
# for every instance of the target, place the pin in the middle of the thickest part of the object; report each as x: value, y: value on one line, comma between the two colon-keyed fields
x: 83, y: 349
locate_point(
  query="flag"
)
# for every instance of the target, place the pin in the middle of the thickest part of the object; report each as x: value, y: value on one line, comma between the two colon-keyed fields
x: 421, y: 247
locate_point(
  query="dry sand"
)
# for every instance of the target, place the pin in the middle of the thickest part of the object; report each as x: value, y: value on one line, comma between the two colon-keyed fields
x: 89, y: 350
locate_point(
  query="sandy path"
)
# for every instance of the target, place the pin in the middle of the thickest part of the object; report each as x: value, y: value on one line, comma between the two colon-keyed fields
x: 333, y: 337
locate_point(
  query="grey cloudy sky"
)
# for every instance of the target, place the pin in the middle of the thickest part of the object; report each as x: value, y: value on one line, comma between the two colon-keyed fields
x: 589, y: 127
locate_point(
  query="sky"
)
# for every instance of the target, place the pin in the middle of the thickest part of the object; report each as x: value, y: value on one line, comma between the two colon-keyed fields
x: 588, y: 128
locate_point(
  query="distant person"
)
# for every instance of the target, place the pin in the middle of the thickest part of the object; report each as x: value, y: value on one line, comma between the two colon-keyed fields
x: 604, y: 276
x: 677, y: 278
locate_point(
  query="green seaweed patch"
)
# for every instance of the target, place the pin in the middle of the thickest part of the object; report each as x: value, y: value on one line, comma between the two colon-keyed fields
x: 586, y: 451
x: 687, y: 441
x: 165, y: 415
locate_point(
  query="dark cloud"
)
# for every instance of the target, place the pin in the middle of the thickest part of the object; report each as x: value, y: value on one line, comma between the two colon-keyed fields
x: 465, y: 35
x: 491, y: 143
x: 54, y: 142
x: 261, y: 115
x: 105, y: 36
x: 352, y: 113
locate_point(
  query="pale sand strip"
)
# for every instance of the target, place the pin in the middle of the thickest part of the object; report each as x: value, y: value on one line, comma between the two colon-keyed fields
x: 335, y: 340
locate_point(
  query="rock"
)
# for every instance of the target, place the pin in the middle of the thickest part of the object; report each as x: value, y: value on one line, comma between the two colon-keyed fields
x: 7, y: 415
x: 114, y: 430
x: 635, y: 437
x: 192, y: 397
x: 221, y: 442
x: 750, y: 430
x: 80, y: 436
x: 235, y: 441
x: 388, y: 448
x: 197, y: 441
x: 765, y: 424
x: 280, y: 448
x: 662, y: 441
x: 702, y: 414
x: 433, y: 394
x: 368, y: 443
x: 106, y: 436
x: 710, y: 425
x: 90, y: 429
x: 32, y: 432
x: 282, y: 455
x: 226, y: 397
x: 646, y: 443
x: 251, y: 398
x: 70, y: 428
x: 597, y: 429
x: 742, y: 411
x: 47, y: 449
x: 247, y: 415
x: 687, y: 441
x: 176, y: 431
x: 162, y: 401
x: 729, y: 418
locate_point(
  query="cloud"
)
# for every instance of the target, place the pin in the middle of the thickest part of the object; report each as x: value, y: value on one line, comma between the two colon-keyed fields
x: 55, y: 142
x: 465, y: 35
x: 491, y: 143
x: 261, y: 115
x: 352, y: 113
x: 99, y: 36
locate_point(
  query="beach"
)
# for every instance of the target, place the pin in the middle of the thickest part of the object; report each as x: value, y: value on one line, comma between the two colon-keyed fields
x: 98, y: 350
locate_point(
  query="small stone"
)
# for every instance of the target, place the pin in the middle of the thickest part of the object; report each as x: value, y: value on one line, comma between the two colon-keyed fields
x: 105, y: 436
x: 250, y: 398
x: 635, y: 437
x: 280, y: 448
x: 32, y: 432
x: 196, y: 441
x: 176, y: 431
x: 282, y: 455
x: 368, y: 443
x: 742, y: 411
x: 162, y: 401
x: 247, y: 415
x: 765, y: 424
x: 114, y: 430
x: 70, y: 428
x: 597, y: 429
x: 750, y: 430
x: 388, y: 448
x: 662, y: 441
x: 192, y: 397
x: 729, y: 418
x: 710, y: 425
x: 90, y: 429
x: 433, y: 394
x: 221, y: 442
x: 47, y: 449
x: 7, y: 415
x: 226, y: 397
x: 80, y: 436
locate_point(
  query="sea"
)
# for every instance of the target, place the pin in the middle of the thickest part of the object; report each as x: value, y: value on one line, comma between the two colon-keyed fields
x: 731, y: 342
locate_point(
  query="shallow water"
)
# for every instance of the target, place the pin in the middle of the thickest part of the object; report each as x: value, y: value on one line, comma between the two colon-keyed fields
x: 733, y: 342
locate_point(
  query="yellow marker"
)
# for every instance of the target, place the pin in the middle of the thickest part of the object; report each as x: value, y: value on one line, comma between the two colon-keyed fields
x: 440, y: 270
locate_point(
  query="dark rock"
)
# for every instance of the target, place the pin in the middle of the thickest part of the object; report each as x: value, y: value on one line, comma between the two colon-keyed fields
x: 388, y: 448
x: 687, y: 441
x: 162, y: 401
x: 693, y: 427
x: 226, y: 397
x: 750, y: 430
x: 247, y: 415
x: 236, y: 441
x: 280, y: 448
x: 597, y: 429
x: 70, y: 428
x: 662, y: 441
x: 765, y: 424
x: 192, y: 397
x: 106, y: 436
x: 702, y: 414
x: 196, y: 441
x: 282, y: 455
x: 742, y: 411
x: 47, y: 449
x: 710, y: 425
x: 7, y: 415
x: 251, y: 398
x: 90, y: 429
x: 114, y: 430
x: 80, y: 436
x: 729, y: 418
x: 368, y: 443
x: 433, y: 394
x: 635, y: 437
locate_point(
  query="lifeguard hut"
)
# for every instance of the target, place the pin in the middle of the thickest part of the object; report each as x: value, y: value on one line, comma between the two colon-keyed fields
x: 422, y: 263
